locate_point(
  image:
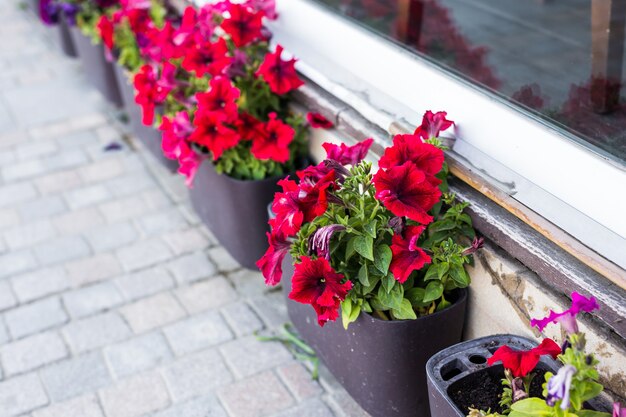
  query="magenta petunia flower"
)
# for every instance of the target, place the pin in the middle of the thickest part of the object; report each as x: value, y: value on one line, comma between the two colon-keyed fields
x: 348, y: 155
x: 433, y: 124
x: 319, y: 242
x: 271, y: 264
x: 567, y: 319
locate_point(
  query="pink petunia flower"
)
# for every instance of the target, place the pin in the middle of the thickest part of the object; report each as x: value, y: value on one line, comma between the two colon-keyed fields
x: 567, y: 319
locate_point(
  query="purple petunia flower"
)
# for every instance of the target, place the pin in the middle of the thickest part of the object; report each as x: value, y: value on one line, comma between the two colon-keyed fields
x: 618, y: 410
x: 567, y: 319
x: 559, y: 386
x: 319, y: 241
x: 70, y: 11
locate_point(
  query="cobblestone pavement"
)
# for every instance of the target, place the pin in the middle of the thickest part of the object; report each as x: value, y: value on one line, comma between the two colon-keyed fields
x: 114, y: 300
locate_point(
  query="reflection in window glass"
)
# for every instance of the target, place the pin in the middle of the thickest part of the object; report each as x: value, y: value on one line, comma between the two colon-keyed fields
x: 562, y: 59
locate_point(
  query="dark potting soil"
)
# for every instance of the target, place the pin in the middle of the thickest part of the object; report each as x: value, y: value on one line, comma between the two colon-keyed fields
x: 482, y: 390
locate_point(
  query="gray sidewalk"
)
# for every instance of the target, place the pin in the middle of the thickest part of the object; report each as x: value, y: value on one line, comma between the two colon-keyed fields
x: 114, y: 300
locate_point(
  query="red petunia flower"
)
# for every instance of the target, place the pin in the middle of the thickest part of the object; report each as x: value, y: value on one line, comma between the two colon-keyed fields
x: 105, y: 29
x: 405, y: 191
x: 183, y: 37
x: 520, y: 363
x: 175, y: 130
x: 221, y: 97
x: 207, y: 58
x: 318, y: 121
x: 433, y: 124
x: 271, y: 264
x: 213, y: 133
x: 315, y: 282
x: 149, y: 91
x: 248, y: 126
x: 273, y: 140
x: 243, y: 25
x: 426, y: 157
x: 348, y: 155
x: 189, y: 162
x: 280, y: 75
x: 407, y: 256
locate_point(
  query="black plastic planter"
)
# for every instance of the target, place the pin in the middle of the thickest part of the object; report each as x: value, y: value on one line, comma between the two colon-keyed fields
x: 64, y: 37
x: 454, y: 369
x: 235, y: 211
x: 98, y: 70
x: 382, y: 364
x: 147, y: 135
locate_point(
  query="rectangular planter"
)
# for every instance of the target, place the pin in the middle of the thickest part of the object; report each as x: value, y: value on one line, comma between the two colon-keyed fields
x: 64, y: 37
x: 382, y: 364
x: 98, y: 69
x: 147, y: 135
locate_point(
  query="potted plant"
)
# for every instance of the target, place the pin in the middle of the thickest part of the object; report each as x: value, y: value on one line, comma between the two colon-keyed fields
x: 384, y: 250
x: 61, y: 16
x: 87, y: 39
x: 509, y: 375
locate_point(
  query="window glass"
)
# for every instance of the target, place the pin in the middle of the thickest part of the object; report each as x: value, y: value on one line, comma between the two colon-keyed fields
x: 560, y: 59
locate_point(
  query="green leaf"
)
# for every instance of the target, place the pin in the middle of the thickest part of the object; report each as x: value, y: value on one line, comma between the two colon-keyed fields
x: 374, y: 279
x: 592, y: 390
x: 370, y: 228
x: 591, y: 413
x: 531, y: 407
x: 436, y: 271
x: 388, y: 283
x: 393, y: 299
x: 349, y: 312
x: 434, y: 291
x: 364, y: 245
x: 415, y: 296
x: 382, y: 258
x: 364, y: 275
x: 350, y: 248
x: 405, y: 312
x: 458, y: 274
x: 446, y: 224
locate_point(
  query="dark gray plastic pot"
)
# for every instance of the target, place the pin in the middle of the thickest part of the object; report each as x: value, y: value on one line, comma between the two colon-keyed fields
x: 98, y: 70
x: 382, y: 364
x: 235, y: 211
x: 448, y: 369
x: 147, y: 135
x: 64, y: 37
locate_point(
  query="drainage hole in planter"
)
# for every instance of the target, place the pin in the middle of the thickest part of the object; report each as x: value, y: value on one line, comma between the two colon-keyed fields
x: 477, y: 359
x: 451, y: 369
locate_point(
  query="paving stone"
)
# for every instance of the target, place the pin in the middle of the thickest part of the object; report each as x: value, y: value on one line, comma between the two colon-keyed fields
x: 32, y: 352
x: 345, y: 406
x: 207, y: 406
x: 16, y: 193
x: 42, y: 208
x: 76, y: 376
x: 112, y: 236
x: 9, y: 218
x: 93, y: 299
x: 196, y: 375
x: 211, y: 294
x: 61, y: 249
x: 135, y: 396
x: 40, y: 283
x: 310, y: 408
x: 241, y: 319
x: 271, y: 308
x: 58, y: 182
x: 223, y: 260
x: 155, y: 199
x: 23, y: 170
x: 7, y: 299
x: 85, y: 406
x: 184, y: 241
x: 4, y: 334
x: 20, y: 395
x: 101, y: 170
x: 78, y: 221
x: 152, y: 312
x: 252, y: 398
x: 87, y: 196
x: 193, y: 267
x: 67, y: 159
x: 162, y: 222
x: 35, y: 317
x: 299, y: 381
x: 29, y: 234
x: 123, y: 209
x: 250, y: 283
x: 198, y: 332
x: 35, y: 150
x: 144, y: 283
x: 143, y: 254
x: 93, y: 269
x: 137, y: 355
x: 129, y: 184
x: 15, y: 262
x: 95, y: 332
x: 249, y: 355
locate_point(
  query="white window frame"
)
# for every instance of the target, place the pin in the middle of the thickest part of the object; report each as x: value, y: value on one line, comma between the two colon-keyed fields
x: 572, y: 186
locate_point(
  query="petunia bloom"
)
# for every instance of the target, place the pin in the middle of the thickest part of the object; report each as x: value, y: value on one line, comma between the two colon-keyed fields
x: 273, y: 140
x: 520, y: 363
x: 105, y: 29
x: 559, y: 386
x: 189, y: 162
x: 271, y: 264
x: 280, y: 75
x: 207, y: 58
x: 433, y: 124
x: 243, y: 25
x: 149, y: 91
x: 175, y: 130
x: 315, y: 282
x: 268, y: 7
x: 221, y: 97
x: 567, y: 319
x: 405, y: 191
x: 318, y: 121
x: 212, y: 133
x: 348, y: 155
x: 424, y: 156
x: 618, y: 410
x: 407, y: 256
x: 319, y: 242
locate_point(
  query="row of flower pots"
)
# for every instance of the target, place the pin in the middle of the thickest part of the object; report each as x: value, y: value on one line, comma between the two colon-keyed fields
x: 374, y: 260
